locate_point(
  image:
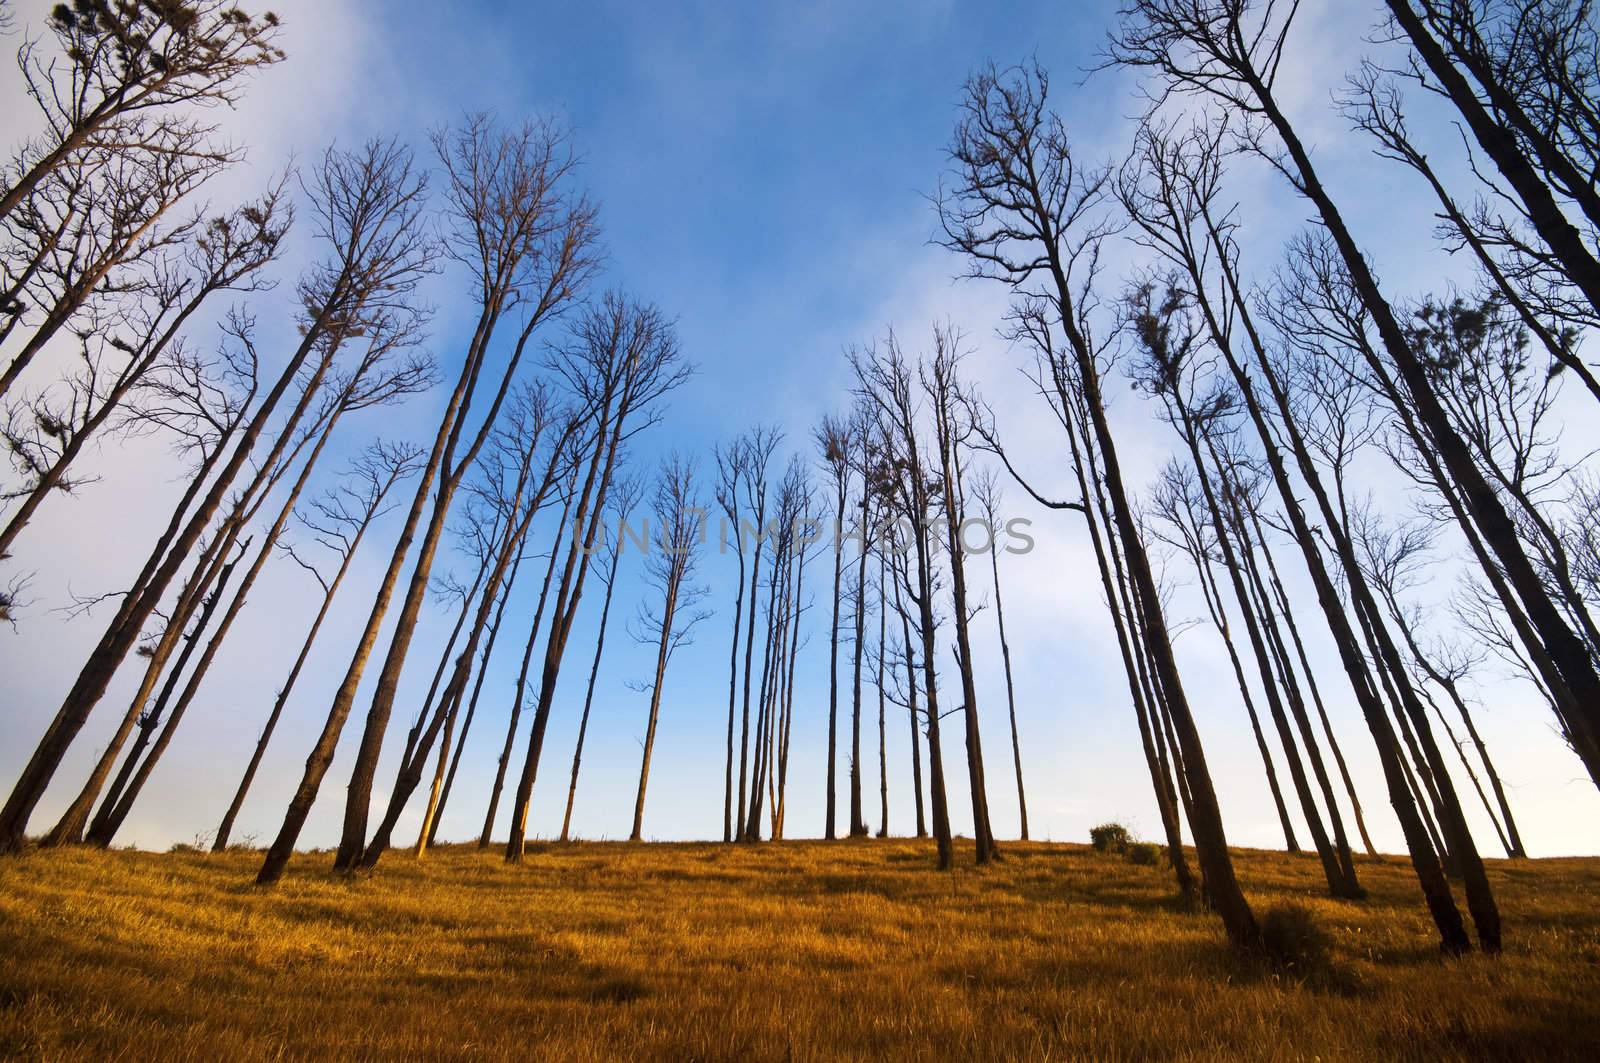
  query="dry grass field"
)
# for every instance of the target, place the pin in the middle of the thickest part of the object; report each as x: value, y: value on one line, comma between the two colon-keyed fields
x: 802, y: 950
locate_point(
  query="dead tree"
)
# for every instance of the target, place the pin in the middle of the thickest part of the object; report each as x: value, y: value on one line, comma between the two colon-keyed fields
x: 901, y: 577
x: 761, y: 443
x: 835, y: 445
x: 337, y: 520
x: 515, y: 445
x: 533, y: 420
x: 128, y: 346
x: 988, y: 493
x: 88, y: 237
x: 1375, y: 104
x: 1521, y: 74
x: 1173, y: 365
x: 1174, y: 501
x: 731, y: 460
x: 526, y: 240
x: 861, y: 456
x: 952, y: 431
x: 367, y: 202
x: 123, y: 76
x: 1031, y: 326
x: 763, y: 794
x: 568, y: 491
x: 1179, y: 216
x: 1229, y: 52
x: 1023, y: 211
x: 905, y: 477
x: 621, y: 363
x: 388, y: 372
x: 1393, y: 558
x: 883, y: 734
x: 679, y: 532
x: 625, y: 495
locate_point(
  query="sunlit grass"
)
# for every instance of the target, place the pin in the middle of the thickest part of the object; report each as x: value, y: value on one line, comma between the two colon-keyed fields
x: 800, y: 950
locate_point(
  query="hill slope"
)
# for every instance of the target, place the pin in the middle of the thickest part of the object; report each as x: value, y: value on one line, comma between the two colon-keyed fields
x: 797, y: 950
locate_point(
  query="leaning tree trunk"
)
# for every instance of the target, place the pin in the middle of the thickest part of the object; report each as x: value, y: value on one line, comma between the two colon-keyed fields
x: 588, y: 700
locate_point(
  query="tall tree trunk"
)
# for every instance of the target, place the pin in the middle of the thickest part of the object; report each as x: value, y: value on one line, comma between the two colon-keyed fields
x: 1568, y: 650
x: 749, y: 647
x: 1282, y: 598
x: 662, y: 651
x: 1430, y: 875
x: 588, y: 697
x: 911, y: 704
x: 858, y: 822
x: 1011, y: 696
x: 225, y: 829
x: 733, y: 689
x: 829, y: 830
x: 522, y: 674
x: 119, y: 639
x: 440, y: 793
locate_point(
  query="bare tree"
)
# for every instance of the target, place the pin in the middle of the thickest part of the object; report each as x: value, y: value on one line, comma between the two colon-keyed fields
x: 337, y: 520
x: 123, y: 356
x: 905, y: 477
x: 1179, y: 216
x: 625, y: 495
x: 760, y: 444
x: 1230, y: 51
x: 1024, y: 211
x: 731, y: 460
x: 366, y: 204
x: 900, y: 577
x: 568, y: 492
x: 679, y: 533
x: 526, y: 240
x: 1393, y: 558
x: 987, y: 491
x: 952, y: 430
x: 514, y: 491
x: 1175, y: 503
x: 387, y: 372
x: 835, y: 445
x: 620, y: 365
x: 1173, y: 366
x: 123, y: 76
x: 532, y: 413
x: 1521, y: 74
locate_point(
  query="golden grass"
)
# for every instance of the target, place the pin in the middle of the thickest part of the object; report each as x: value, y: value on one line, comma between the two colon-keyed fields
x: 804, y: 950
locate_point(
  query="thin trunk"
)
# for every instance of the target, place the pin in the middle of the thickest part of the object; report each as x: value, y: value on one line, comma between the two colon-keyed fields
x: 1282, y: 599
x: 522, y: 674
x: 883, y: 740
x: 440, y: 794
x: 733, y: 689
x: 588, y: 697
x: 749, y: 648
x: 225, y: 829
x: 1011, y: 696
x: 911, y: 706
x: 858, y: 822
x: 662, y: 652
x: 829, y: 830
x: 119, y: 639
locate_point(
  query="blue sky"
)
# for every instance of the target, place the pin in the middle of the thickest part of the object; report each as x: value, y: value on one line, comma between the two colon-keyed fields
x: 761, y: 173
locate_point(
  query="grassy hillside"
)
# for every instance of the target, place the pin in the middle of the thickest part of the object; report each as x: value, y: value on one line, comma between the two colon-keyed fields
x: 799, y: 950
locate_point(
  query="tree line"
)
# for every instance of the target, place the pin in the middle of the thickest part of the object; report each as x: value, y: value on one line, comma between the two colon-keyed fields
x: 1270, y: 393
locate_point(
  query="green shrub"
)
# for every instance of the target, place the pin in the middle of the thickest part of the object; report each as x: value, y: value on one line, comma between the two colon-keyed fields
x: 1110, y: 838
x: 1144, y: 853
x: 1293, y: 939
